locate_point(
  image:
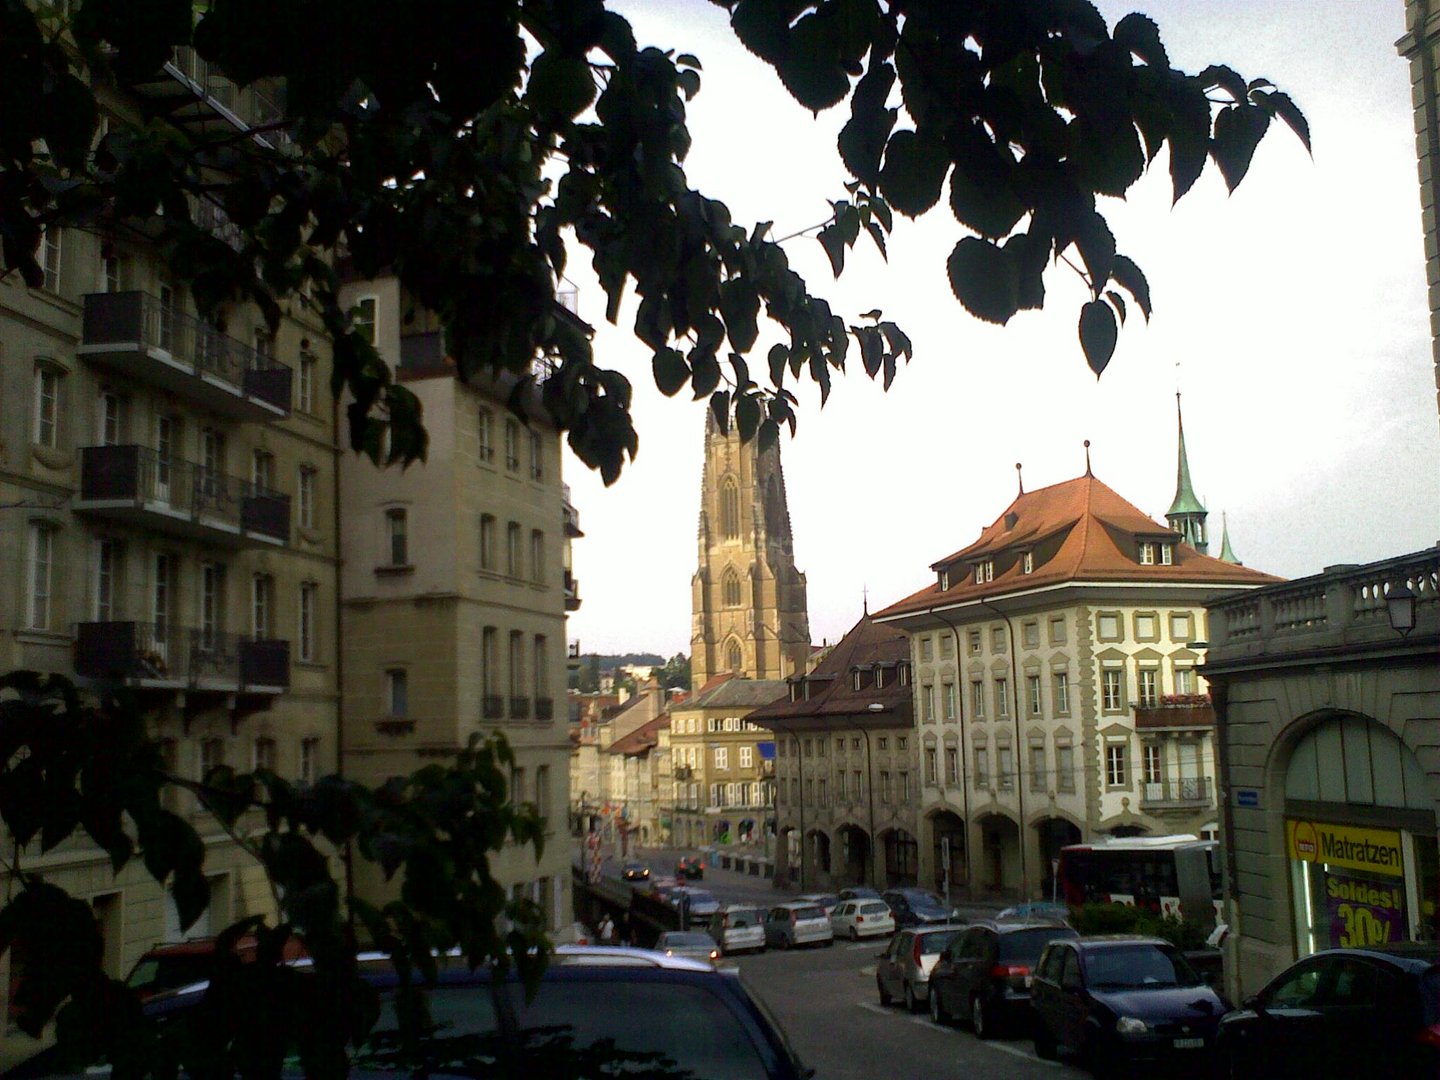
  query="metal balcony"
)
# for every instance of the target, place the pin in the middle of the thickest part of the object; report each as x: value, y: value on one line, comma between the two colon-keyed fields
x: 146, y: 655
x: 572, y: 592
x: 136, y: 486
x: 544, y: 708
x: 519, y: 708
x: 1177, y: 793
x: 1181, y: 712
x: 194, y: 94
x: 492, y: 707
x: 133, y: 332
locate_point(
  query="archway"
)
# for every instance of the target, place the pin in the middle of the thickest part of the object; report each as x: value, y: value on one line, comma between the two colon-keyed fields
x: 784, y: 863
x: 997, y: 865
x: 1052, y: 834
x: 947, y: 836
x: 854, y: 866
x: 902, y: 857
x: 818, y: 841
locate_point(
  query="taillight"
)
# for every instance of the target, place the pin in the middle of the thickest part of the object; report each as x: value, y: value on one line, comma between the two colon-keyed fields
x: 916, y: 953
x: 1429, y: 1036
x: 859, y: 918
x: 1009, y: 971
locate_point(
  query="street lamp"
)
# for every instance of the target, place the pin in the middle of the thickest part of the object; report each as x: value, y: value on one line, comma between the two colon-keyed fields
x: 1401, y: 604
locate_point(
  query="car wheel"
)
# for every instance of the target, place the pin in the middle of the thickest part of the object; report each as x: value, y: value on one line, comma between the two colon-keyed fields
x: 830, y: 941
x: 1045, y: 1048
x: 884, y: 994
x: 1103, y: 1059
x: 980, y: 1018
x: 912, y: 1004
x: 854, y: 934
x: 938, y: 1015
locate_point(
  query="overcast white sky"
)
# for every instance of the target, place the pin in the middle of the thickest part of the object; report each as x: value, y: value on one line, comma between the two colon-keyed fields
x: 1292, y: 316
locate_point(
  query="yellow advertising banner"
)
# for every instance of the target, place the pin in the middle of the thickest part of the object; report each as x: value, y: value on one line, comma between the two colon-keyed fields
x: 1374, y: 851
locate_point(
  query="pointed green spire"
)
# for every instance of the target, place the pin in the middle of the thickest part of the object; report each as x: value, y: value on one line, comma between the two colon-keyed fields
x: 1226, y: 553
x: 1186, y: 514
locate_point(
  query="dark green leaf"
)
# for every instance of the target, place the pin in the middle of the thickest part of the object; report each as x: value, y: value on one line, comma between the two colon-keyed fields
x: 747, y: 417
x: 1130, y: 278
x: 913, y: 173
x: 1225, y: 78
x: 1138, y: 34
x: 559, y: 85
x: 1282, y: 106
x: 671, y: 371
x: 1097, y: 248
x: 1117, y: 302
x: 834, y: 245
x: 720, y: 409
x: 704, y: 371
x: 987, y: 205
x: 1238, y: 130
x: 812, y: 68
x: 984, y: 279
x: 1097, y: 334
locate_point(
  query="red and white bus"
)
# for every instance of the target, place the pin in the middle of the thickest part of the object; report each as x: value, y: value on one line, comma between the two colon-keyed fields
x: 1176, y: 876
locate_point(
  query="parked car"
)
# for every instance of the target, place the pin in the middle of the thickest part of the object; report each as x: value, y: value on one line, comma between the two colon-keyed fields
x: 984, y: 974
x: 828, y: 901
x: 917, y: 907
x: 859, y: 892
x: 862, y: 918
x: 635, y: 871
x: 738, y: 928
x: 787, y: 925
x: 1036, y: 909
x: 904, y: 968
x: 691, y: 944
x: 183, y: 963
x: 698, y: 904
x: 690, y: 868
x: 1121, y: 1000
x: 1342, y: 1012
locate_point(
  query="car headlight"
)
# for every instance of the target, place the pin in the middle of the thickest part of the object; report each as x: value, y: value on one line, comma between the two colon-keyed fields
x: 1130, y: 1025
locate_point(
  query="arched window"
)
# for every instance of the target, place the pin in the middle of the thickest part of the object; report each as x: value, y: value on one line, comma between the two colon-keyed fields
x: 730, y: 509
x: 730, y: 589
x: 733, y: 659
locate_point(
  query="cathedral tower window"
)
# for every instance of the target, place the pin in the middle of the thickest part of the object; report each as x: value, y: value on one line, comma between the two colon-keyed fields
x: 730, y: 509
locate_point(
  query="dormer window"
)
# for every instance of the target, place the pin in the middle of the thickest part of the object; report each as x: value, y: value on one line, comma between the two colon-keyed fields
x: 1167, y: 554
x: 795, y: 690
x: 944, y: 580
x: 1027, y: 563
x: 904, y: 672
x: 879, y: 678
x: 1147, y: 554
x: 984, y: 571
x: 855, y: 678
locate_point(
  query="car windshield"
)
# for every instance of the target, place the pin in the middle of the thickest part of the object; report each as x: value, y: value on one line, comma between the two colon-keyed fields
x: 1137, y: 967
x: 743, y: 917
x: 1025, y: 946
x: 923, y: 899
x: 934, y: 944
x: 651, y: 1028
x: 809, y: 913
x: 680, y: 940
x: 877, y: 908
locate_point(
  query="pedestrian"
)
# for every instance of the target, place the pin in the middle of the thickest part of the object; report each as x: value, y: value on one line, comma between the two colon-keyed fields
x: 625, y: 935
x: 606, y: 930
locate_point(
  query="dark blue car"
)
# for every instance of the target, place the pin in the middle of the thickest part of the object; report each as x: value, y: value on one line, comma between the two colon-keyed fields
x: 1117, y: 1001
x: 917, y: 907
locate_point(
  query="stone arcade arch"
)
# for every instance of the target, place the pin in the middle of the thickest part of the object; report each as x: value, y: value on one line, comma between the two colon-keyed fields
x: 947, y: 834
x: 855, y: 862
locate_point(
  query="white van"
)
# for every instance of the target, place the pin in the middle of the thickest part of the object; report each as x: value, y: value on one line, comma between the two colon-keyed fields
x: 738, y: 928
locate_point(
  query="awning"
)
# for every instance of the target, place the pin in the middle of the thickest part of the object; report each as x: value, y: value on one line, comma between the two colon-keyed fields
x: 767, y: 751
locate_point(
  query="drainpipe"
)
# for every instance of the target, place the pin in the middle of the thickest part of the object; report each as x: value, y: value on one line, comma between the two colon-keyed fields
x: 964, y: 755
x: 870, y: 784
x: 1015, y: 715
x: 800, y: 783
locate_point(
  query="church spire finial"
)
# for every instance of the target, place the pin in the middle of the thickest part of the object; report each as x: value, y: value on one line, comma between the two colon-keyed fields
x: 865, y: 600
x: 1020, y: 476
x: 1087, y: 458
x: 1227, y: 554
x: 1186, y: 514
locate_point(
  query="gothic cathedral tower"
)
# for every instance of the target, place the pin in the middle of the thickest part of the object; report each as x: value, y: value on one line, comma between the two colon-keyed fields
x: 750, y: 613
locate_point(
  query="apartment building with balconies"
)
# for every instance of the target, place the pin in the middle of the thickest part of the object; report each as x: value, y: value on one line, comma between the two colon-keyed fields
x: 167, y: 513
x: 455, y: 591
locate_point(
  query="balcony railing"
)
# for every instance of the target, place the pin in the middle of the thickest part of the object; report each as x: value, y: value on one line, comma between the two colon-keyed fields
x: 572, y: 592
x: 193, y: 92
x: 136, y: 333
x: 165, y: 655
x: 519, y: 708
x: 1194, y: 791
x: 136, y: 484
x: 544, y: 708
x: 492, y: 707
x: 1186, y: 711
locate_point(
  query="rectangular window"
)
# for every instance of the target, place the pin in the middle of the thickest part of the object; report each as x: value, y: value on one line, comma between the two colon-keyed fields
x: 517, y: 667
x: 364, y: 319
x: 997, y: 639
x: 1184, y: 680
x: 537, y: 556
x: 947, y: 647
x: 309, y: 760
x: 824, y: 793
x: 262, y: 755
x: 42, y: 561
x: 884, y: 742
x: 49, y: 260
x: 1180, y: 626
x: 512, y: 445
x: 1037, y: 768
x: 977, y: 700
x: 513, y: 558
x: 46, y: 428
x: 112, y: 418
x: 747, y: 757
x: 1147, y: 626
x: 1027, y: 563
x: 904, y: 787
x: 489, y: 665
x: 305, y: 496
x: 485, y: 430
x: 212, y: 604
x: 262, y: 471
x: 1005, y: 764
x: 212, y: 756
x: 1064, y: 768
x: 262, y: 603
x: 931, y: 765
x: 1167, y: 554
x: 108, y: 557
x: 1150, y: 763
x: 265, y: 346
x: 542, y: 790
x: 722, y: 758
x: 952, y: 765
x: 1109, y: 626
x: 1002, y: 698
x: 1033, y: 692
x: 487, y: 541
x: 1147, y: 554
x: 885, y: 790
x: 927, y: 703
x: 1061, y: 681
x: 856, y: 785
x: 1112, y: 689
x: 1057, y: 629
x: 307, y: 621
x: 1149, y: 687
x: 537, y: 457
x: 305, y: 384
x: 160, y: 600
x: 397, y: 691
x: 1030, y: 634
x: 982, y: 767
x: 840, y: 793
x: 110, y: 274
x: 927, y: 650
x: 397, y: 537
x: 541, y: 668
x: 973, y: 642
x: 949, y: 701
x: 1117, y: 772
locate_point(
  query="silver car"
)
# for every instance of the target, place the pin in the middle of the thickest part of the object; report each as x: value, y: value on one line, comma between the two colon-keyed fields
x: 904, y: 968
x: 690, y: 944
x: 792, y: 924
x: 738, y: 927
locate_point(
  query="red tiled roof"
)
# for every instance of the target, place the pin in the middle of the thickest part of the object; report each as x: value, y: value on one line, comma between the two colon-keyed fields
x: 643, y: 738
x: 1079, y: 530
x: 831, y: 691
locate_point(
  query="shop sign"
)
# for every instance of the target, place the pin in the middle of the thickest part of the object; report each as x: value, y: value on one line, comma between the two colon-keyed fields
x: 1373, y: 851
x: 1364, y: 912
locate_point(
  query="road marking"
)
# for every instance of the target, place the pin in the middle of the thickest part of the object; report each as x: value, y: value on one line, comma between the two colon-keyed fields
x: 1015, y: 1051
x: 869, y: 969
x: 944, y: 1029
x: 854, y: 945
x: 870, y: 1006
x: 924, y: 1021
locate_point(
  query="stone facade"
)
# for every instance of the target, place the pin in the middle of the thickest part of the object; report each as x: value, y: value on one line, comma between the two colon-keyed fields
x: 1421, y: 48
